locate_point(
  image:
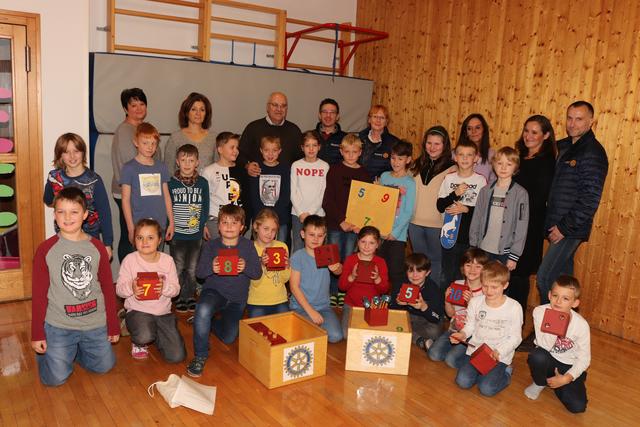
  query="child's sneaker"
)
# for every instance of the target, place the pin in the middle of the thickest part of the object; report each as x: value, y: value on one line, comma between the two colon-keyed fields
x: 196, y: 366
x: 181, y: 307
x: 424, y: 344
x: 341, y: 299
x: 139, y: 352
x: 191, y: 305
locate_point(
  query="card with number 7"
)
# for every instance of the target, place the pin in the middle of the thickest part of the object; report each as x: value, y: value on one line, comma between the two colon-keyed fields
x: 372, y: 204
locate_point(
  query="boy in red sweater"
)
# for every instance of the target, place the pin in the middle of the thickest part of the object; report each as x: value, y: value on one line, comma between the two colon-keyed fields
x: 73, y: 305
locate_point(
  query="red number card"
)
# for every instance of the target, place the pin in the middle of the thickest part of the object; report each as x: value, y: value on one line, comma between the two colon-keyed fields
x: 228, y: 260
x: 148, y: 281
x: 277, y: 258
x: 409, y: 293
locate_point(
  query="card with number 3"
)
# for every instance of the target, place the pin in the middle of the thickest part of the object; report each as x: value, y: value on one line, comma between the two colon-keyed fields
x: 372, y: 204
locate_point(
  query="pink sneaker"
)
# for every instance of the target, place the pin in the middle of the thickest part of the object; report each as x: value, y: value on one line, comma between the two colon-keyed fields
x: 139, y: 352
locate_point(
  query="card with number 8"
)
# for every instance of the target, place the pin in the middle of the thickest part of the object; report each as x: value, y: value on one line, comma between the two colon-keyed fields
x: 228, y: 260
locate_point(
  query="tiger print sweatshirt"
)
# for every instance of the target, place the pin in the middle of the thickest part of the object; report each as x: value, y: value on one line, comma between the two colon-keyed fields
x: 72, y: 287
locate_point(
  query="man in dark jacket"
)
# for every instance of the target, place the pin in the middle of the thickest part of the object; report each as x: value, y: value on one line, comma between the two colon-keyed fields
x: 329, y: 130
x: 581, y: 170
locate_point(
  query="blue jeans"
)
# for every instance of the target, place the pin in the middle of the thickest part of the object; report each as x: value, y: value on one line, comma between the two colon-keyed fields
x: 283, y: 234
x: 185, y: 254
x: 296, y: 239
x: 443, y: 349
x: 346, y: 244
x: 558, y: 260
x: 90, y: 349
x: 489, y: 385
x: 426, y: 240
x: 451, y: 264
x: 344, y: 321
x: 331, y: 324
x: 265, y: 310
x: 225, y: 328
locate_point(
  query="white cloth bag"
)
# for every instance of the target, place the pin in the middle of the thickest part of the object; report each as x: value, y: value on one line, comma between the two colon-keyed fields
x: 183, y: 391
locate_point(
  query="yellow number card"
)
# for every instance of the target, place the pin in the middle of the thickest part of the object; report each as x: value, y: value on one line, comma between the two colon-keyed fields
x: 372, y: 204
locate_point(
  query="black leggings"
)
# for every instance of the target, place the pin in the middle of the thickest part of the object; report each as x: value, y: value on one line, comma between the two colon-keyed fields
x: 573, y: 395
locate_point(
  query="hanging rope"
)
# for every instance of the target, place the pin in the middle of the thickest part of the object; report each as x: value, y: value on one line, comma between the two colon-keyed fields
x: 335, y: 54
x: 232, y: 49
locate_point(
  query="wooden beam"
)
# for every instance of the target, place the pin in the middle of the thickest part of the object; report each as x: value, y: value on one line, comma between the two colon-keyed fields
x: 246, y: 6
x: 245, y: 23
x: 310, y: 67
x: 281, y: 39
x: 204, y: 29
x: 161, y: 17
x: 189, y: 54
x: 111, y: 25
x: 198, y: 5
x: 242, y: 39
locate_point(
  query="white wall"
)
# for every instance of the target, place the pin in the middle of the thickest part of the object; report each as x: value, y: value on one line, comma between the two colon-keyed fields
x: 144, y: 32
x: 64, y: 38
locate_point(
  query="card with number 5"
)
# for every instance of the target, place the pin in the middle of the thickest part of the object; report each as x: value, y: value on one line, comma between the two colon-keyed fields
x: 372, y: 204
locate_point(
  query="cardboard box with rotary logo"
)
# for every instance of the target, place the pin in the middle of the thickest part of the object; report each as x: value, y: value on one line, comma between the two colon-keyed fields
x: 382, y: 349
x: 282, y: 349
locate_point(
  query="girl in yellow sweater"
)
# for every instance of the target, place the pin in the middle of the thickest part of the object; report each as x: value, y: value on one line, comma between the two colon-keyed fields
x: 268, y: 295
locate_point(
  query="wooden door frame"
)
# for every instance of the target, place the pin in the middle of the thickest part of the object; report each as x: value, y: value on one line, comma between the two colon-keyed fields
x: 32, y: 202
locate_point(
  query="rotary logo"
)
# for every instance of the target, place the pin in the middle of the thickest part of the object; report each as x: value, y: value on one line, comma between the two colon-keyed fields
x: 298, y: 362
x: 378, y: 351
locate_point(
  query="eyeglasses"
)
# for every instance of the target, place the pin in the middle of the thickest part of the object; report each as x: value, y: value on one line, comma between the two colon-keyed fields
x: 332, y: 113
x: 379, y: 117
x: 274, y: 105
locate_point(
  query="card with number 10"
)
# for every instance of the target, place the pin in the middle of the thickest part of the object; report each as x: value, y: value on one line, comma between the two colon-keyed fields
x: 372, y: 204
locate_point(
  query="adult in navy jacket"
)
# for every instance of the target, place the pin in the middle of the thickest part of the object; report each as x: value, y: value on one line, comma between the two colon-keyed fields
x: 377, y: 142
x: 581, y: 169
x: 329, y: 131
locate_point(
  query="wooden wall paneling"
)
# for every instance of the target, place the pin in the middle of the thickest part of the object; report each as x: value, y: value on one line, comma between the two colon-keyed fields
x: 609, y: 279
x: 508, y: 59
x: 631, y: 121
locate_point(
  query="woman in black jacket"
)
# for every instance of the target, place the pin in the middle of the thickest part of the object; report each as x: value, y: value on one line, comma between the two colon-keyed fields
x: 537, y: 162
x: 377, y: 142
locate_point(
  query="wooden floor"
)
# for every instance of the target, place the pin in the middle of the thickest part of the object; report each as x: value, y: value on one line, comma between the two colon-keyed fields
x: 428, y: 396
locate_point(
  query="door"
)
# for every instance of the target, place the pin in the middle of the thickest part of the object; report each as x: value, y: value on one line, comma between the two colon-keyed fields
x: 18, y: 192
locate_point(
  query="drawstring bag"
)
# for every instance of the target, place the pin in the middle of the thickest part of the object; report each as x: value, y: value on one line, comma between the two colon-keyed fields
x: 183, y: 391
